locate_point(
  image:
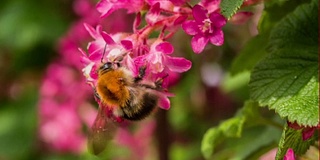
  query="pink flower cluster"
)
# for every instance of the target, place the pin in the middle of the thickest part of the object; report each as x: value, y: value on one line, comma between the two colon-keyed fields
x: 142, y: 48
x: 64, y: 97
x: 64, y: 100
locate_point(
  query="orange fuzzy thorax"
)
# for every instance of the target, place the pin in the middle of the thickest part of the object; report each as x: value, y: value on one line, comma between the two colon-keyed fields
x: 112, y: 87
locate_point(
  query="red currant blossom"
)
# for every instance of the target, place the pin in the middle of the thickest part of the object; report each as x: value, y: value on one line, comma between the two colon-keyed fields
x: 205, y: 27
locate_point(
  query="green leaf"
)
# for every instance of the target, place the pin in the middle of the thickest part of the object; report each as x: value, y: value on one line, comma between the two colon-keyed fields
x: 230, y: 7
x: 231, y: 128
x: 292, y: 138
x: 214, y: 136
x: 234, y: 82
x: 255, y: 49
x: 211, y: 138
x: 287, y: 79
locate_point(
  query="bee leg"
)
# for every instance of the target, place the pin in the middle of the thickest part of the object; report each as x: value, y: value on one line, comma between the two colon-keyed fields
x: 142, y: 72
x: 158, y: 82
x: 96, y: 95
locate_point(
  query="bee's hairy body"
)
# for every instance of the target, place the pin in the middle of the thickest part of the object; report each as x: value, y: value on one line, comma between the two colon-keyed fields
x: 119, y: 89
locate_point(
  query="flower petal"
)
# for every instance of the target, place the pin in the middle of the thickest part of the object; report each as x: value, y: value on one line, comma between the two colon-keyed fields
x: 199, y: 13
x: 217, y: 19
x: 107, y: 38
x: 180, y: 20
x: 91, y: 31
x: 190, y: 27
x: 127, y: 44
x: 178, y: 64
x: 198, y: 42
x: 165, y: 47
x: 217, y: 38
x: 153, y: 14
x: 164, y: 102
x: 105, y: 8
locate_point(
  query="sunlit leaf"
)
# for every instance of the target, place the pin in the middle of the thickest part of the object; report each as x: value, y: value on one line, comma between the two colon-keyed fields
x: 287, y: 80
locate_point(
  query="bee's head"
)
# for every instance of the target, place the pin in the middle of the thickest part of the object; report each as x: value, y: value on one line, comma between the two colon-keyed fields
x: 108, y: 66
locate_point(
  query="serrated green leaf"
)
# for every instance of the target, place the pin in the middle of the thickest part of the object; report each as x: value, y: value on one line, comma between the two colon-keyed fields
x: 230, y: 7
x: 292, y: 138
x: 286, y: 80
x: 255, y: 49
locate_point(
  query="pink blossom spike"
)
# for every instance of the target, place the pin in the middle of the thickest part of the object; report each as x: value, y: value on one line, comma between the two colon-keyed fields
x: 165, y: 47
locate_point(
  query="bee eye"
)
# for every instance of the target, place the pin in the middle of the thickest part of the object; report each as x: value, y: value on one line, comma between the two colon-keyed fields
x: 106, y: 66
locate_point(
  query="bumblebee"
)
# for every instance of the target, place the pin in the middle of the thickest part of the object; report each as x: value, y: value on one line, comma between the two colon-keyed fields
x: 129, y: 98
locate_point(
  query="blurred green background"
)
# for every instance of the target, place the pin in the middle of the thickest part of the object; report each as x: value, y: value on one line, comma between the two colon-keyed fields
x: 29, y: 30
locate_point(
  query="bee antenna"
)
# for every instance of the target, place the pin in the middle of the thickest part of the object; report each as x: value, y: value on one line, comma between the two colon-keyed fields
x: 104, y: 52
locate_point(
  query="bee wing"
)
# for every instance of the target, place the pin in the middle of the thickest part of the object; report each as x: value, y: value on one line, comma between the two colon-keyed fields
x: 101, y: 132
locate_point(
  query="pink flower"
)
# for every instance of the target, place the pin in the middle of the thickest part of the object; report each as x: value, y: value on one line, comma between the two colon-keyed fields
x: 106, y: 7
x: 289, y: 155
x: 60, y: 124
x: 205, y: 27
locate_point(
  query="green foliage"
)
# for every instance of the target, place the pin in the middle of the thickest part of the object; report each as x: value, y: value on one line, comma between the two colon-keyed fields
x: 255, y: 49
x: 292, y: 138
x: 230, y: 7
x: 287, y: 79
x: 247, y: 117
x: 18, y: 123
